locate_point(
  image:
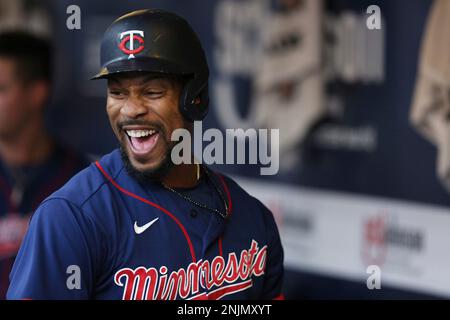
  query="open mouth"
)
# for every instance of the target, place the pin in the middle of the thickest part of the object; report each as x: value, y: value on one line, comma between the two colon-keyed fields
x: 142, y: 141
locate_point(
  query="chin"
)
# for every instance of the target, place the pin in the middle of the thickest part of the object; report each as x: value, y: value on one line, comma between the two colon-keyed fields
x: 146, y: 166
x: 154, y: 170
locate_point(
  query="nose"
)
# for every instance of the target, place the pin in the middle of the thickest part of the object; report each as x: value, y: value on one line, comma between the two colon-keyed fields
x: 133, y: 108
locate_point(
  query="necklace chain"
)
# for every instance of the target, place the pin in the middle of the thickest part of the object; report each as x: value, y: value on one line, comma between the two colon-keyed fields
x: 200, y: 205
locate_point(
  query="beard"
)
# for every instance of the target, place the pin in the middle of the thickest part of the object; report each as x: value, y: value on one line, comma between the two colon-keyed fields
x: 152, y: 175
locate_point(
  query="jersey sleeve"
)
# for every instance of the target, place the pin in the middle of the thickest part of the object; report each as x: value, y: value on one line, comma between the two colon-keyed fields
x: 274, y: 273
x: 58, y: 255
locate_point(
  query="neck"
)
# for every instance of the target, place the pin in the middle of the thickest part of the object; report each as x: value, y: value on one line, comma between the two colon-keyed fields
x: 182, y: 176
x: 29, y: 146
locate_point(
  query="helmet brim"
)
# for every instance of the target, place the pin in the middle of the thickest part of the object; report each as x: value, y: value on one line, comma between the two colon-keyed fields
x: 146, y: 64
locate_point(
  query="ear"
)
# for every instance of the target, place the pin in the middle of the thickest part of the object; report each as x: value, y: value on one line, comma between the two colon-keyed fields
x: 39, y: 94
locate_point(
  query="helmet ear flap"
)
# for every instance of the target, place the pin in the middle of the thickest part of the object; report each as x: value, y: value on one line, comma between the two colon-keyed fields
x: 194, y: 100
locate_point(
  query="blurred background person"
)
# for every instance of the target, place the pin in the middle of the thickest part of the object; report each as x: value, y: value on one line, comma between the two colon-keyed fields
x: 32, y: 163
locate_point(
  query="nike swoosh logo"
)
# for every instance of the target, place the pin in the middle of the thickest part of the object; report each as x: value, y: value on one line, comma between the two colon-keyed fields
x: 141, y: 229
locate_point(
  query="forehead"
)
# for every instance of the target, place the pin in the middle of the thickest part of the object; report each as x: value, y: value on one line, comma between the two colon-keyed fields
x: 7, y: 66
x: 140, y: 79
x: 8, y: 72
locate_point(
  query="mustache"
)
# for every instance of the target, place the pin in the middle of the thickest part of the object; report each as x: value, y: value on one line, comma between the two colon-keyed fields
x: 129, y: 122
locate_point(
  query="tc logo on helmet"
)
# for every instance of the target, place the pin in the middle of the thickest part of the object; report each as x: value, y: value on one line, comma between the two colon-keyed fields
x: 130, y: 37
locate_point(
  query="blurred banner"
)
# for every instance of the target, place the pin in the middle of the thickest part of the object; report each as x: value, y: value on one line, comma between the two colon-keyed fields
x: 342, y: 235
x: 357, y: 184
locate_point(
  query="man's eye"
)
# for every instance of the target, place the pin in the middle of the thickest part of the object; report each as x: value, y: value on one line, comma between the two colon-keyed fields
x: 116, y: 93
x: 154, y: 93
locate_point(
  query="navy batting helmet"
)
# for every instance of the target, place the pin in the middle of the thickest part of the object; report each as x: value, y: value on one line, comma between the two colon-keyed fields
x: 163, y: 42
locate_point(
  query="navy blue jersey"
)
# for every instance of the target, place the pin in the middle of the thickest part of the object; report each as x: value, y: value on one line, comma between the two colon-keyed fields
x: 132, y: 240
x: 21, y: 191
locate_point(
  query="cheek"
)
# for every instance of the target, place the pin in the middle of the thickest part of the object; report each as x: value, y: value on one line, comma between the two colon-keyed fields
x: 171, y: 113
x: 12, y: 103
x: 113, y: 111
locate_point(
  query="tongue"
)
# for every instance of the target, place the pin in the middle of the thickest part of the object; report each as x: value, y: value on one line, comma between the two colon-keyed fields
x: 144, y: 144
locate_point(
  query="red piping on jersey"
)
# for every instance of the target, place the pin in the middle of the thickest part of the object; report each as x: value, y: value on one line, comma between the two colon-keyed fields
x: 220, y: 247
x: 229, y: 211
x: 230, y: 207
x: 230, y: 204
x: 186, y: 235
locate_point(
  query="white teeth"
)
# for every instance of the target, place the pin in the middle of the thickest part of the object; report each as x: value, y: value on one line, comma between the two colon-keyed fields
x: 140, y: 133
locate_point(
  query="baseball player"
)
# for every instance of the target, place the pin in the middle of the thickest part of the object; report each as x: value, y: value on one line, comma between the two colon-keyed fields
x: 134, y: 225
x: 32, y: 164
